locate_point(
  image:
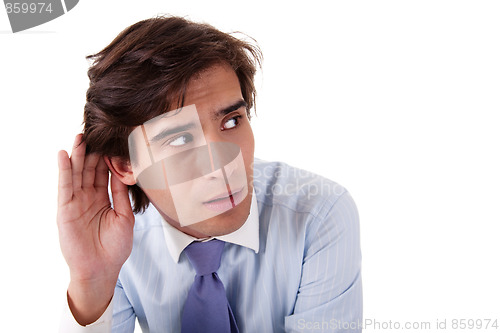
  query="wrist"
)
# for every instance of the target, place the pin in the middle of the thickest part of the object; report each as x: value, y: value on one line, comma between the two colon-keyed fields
x: 88, y: 300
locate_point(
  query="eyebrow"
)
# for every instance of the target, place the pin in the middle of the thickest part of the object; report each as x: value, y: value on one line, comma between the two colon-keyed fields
x: 217, y: 114
x: 165, y: 133
x: 233, y: 107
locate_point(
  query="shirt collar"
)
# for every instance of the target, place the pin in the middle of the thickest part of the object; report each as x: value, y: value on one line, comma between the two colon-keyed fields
x: 247, y: 235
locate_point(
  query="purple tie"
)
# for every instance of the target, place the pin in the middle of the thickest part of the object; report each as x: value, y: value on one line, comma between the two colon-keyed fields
x: 207, y: 309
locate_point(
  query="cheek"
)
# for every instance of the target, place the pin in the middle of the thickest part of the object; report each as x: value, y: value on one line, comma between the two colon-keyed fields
x: 246, y: 143
x: 162, y: 200
x: 247, y: 146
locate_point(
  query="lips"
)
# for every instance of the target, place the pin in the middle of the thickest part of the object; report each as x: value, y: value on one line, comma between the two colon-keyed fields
x: 224, y: 195
x: 225, y: 201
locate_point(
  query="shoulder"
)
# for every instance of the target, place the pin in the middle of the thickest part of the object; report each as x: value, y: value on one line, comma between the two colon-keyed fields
x: 279, y: 184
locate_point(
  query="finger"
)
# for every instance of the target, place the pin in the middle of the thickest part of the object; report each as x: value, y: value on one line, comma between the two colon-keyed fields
x: 121, y: 200
x: 77, y: 160
x: 89, y: 170
x: 101, y: 175
x: 65, y: 186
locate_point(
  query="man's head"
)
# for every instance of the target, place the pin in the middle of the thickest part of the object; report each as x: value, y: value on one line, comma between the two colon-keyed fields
x: 159, y: 65
x: 146, y: 71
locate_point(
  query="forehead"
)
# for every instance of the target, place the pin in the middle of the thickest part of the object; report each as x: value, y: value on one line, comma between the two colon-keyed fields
x: 213, y: 88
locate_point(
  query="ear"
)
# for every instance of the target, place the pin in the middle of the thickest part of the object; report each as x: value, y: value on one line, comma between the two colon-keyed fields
x: 121, y: 169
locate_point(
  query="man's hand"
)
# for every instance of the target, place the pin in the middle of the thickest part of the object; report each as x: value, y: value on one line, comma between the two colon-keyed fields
x: 95, y: 238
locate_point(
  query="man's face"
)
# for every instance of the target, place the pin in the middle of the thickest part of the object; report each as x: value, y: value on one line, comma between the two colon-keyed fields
x: 195, y: 165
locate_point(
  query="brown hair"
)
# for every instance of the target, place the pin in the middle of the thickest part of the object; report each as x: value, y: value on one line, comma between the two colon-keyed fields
x: 144, y: 73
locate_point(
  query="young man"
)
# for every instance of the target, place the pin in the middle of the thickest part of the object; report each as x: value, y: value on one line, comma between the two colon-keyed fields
x: 167, y: 114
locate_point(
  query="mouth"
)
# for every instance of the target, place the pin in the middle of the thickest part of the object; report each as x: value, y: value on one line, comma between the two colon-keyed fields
x: 225, y: 201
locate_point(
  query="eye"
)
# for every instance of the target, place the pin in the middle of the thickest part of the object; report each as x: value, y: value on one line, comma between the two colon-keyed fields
x: 231, y: 122
x: 180, y: 140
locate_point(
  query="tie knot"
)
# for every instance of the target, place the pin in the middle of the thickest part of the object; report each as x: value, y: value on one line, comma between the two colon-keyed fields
x: 205, y: 256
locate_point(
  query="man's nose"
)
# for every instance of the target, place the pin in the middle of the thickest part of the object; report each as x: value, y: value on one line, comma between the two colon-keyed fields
x: 222, y: 156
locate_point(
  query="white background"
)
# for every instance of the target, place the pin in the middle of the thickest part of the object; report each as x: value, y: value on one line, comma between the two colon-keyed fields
x: 396, y: 100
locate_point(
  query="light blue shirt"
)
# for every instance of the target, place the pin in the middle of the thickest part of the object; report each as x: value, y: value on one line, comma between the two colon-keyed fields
x: 298, y: 269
